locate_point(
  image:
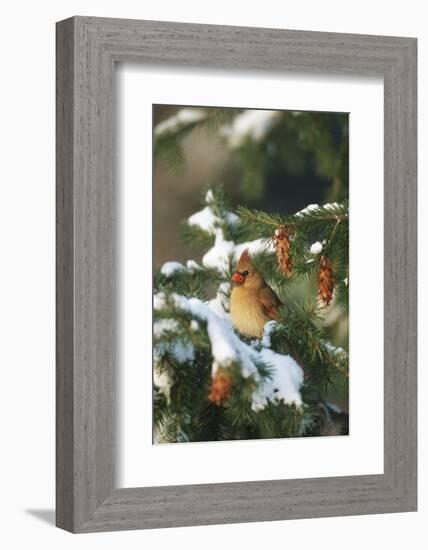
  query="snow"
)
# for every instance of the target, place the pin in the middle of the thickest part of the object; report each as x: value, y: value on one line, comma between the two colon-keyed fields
x: 205, y: 219
x: 218, y: 257
x: 226, y: 347
x: 169, y: 268
x: 224, y: 252
x: 159, y: 300
x: 232, y: 218
x: 163, y: 326
x: 216, y: 305
x: 334, y: 350
x: 161, y: 379
x: 316, y: 248
x: 286, y: 380
x: 309, y: 208
x: 194, y: 325
x: 312, y: 207
x: 286, y: 376
x: 182, y: 351
x: 268, y: 329
x: 331, y: 205
x: 192, y: 265
x: 249, y: 125
x: 224, y: 288
x: 184, y: 117
x: 220, y: 303
x: 333, y: 407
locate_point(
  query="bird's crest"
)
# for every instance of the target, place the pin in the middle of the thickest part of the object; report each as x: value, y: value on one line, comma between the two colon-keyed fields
x: 245, y: 262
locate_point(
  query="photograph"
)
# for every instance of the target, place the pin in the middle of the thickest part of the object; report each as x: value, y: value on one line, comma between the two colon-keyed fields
x: 250, y: 274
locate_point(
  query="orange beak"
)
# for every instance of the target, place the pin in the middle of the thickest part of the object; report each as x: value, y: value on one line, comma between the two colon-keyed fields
x: 237, y: 277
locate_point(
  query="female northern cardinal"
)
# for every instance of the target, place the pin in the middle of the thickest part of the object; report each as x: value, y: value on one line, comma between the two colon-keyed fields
x: 252, y: 302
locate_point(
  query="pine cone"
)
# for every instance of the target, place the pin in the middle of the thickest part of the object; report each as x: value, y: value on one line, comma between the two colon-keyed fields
x: 282, y: 242
x: 221, y: 387
x: 325, y: 281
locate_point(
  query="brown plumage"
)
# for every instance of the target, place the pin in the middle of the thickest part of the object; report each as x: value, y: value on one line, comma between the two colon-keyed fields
x: 252, y: 302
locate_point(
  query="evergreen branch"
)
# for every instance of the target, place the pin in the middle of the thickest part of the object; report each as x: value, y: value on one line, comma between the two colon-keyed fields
x: 317, y: 214
x: 195, y: 237
x: 302, y: 331
x: 187, y: 282
x: 184, y: 348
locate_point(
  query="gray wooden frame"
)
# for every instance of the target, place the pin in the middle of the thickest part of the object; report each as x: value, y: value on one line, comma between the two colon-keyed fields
x: 87, y: 50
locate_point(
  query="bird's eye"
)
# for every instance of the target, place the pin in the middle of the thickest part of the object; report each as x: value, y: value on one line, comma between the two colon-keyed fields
x: 245, y: 273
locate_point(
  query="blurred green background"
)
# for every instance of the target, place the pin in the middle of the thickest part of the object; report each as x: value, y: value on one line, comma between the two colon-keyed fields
x: 302, y: 160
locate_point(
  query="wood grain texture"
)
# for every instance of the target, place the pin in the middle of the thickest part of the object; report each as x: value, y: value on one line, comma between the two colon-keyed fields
x: 87, y: 50
x: 64, y: 277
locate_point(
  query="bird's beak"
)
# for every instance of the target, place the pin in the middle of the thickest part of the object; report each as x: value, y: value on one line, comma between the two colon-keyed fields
x: 237, y: 277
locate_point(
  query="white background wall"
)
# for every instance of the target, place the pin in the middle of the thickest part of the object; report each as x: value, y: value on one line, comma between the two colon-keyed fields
x: 27, y: 272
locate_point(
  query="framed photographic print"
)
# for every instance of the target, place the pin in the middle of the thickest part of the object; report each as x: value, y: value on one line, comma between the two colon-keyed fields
x: 236, y: 274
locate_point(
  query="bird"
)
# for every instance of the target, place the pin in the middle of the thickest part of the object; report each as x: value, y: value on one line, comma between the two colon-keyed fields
x: 252, y: 302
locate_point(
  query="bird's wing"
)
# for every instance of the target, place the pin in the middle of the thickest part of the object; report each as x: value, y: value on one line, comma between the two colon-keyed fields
x: 270, y: 302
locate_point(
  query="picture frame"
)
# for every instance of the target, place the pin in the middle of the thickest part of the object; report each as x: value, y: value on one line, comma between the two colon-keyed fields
x: 87, y: 51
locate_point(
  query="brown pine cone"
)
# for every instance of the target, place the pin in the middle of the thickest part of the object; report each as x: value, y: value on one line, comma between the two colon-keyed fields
x: 282, y: 242
x: 221, y: 387
x: 325, y: 281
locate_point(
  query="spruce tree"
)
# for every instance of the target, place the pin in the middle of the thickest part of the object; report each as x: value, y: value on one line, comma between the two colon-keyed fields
x: 210, y: 382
